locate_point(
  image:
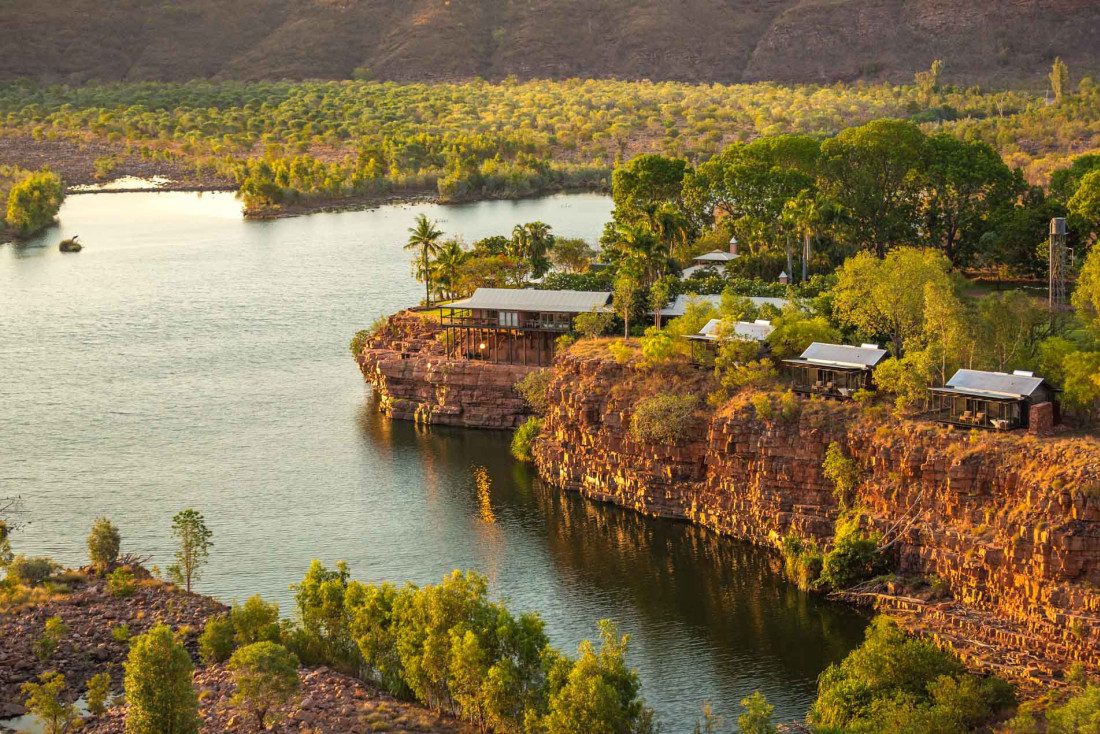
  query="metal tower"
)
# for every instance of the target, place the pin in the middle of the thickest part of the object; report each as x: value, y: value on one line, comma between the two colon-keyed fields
x: 1057, y: 298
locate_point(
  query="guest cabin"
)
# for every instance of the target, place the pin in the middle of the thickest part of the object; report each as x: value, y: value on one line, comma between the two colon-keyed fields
x: 704, y: 345
x: 711, y: 263
x: 992, y: 400
x: 835, y: 370
x: 514, y: 326
x: 679, y: 305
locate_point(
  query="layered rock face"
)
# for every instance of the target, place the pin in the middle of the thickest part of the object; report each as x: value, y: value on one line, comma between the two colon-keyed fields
x: 406, y: 363
x: 1010, y: 524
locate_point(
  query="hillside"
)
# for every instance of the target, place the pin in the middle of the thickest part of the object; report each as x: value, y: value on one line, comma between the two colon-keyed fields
x: 999, y: 42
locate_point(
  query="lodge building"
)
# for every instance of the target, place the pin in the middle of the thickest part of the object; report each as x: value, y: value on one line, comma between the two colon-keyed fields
x: 704, y: 345
x: 834, y: 371
x: 993, y: 400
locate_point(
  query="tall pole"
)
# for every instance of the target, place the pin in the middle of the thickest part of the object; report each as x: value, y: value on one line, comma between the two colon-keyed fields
x: 1057, y: 285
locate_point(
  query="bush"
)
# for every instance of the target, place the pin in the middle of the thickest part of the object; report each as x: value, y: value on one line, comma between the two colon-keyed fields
x: 266, y: 676
x: 593, y: 324
x: 896, y: 683
x: 621, y: 351
x: 757, y: 717
x: 854, y: 556
x: 843, y: 472
x: 216, y: 641
x: 532, y: 388
x: 790, y: 407
x: 763, y: 405
x: 33, y: 203
x: 53, y: 632
x: 158, y: 685
x: 47, y: 700
x: 31, y: 571
x: 663, y: 418
x: 103, y: 544
x: 801, y: 561
x: 121, y: 583
x: 359, y: 341
x: 255, y: 621
x: 120, y: 633
x: 1080, y: 714
x: 524, y: 438
x: 99, y: 689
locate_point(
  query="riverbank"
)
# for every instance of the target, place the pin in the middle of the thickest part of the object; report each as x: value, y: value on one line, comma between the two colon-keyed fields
x: 98, y: 626
x: 995, y: 539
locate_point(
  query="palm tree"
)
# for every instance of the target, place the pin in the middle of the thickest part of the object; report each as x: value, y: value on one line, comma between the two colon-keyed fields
x: 424, y: 236
x: 532, y: 242
x: 804, y: 215
x: 640, y: 246
x: 672, y: 228
x: 447, y: 267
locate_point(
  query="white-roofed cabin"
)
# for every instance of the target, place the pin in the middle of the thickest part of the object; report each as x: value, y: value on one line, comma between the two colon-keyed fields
x: 835, y: 370
x: 704, y: 345
x: 996, y: 400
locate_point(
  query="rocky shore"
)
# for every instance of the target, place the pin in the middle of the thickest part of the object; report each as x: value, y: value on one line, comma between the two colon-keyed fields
x: 94, y: 642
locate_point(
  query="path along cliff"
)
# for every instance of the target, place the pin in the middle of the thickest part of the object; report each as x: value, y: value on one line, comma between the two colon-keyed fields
x: 1006, y: 527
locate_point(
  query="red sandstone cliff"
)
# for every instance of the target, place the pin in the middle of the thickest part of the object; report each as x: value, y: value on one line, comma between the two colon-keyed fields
x: 406, y: 364
x: 1009, y: 523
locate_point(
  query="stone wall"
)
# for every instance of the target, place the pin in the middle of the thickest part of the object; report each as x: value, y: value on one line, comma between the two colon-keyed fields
x: 407, y: 365
x: 1008, y: 523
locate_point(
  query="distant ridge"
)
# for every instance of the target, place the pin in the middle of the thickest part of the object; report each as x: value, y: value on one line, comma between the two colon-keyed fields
x: 992, y: 42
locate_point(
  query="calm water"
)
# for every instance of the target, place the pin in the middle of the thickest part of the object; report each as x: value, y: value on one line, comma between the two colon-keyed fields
x: 187, y: 358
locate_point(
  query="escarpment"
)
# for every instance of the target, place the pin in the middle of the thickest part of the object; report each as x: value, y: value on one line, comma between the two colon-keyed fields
x: 413, y: 378
x: 1008, y: 524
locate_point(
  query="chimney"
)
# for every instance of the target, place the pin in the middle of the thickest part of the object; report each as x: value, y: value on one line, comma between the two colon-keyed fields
x: 784, y: 279
x: 733, y: 245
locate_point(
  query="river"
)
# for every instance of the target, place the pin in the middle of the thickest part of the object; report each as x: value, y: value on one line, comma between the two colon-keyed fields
x: 189, y: 358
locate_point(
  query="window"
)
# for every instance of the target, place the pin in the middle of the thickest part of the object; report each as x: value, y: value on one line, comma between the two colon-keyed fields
x: 508, y: 318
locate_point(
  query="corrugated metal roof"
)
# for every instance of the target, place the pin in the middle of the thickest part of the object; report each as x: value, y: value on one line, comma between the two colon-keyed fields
x: 716, y: 256
x: 995, y: 383
x: 679, y: 306
x: 529, y: 299
x: 742, y: 329
x: 843, y: 355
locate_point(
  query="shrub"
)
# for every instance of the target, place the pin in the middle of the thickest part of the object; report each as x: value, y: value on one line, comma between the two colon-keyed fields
x: 121, y: 583
x: 255, y: 621
x: 31, y: 571
x: 1080, y: 714
x: 757, y: 717
x: 359, y: 341
x: 532, y: 388
x: 120, y: 633
x: 216, y: 641
x: 99, y: 689
x: 158, y: 685
x: 563, y: 343
x: 46, y: 700
x: 524, y: 438
x: 895, y: 683
x: 843, y: 472
x: 763, y: 405
x: 621, y: 351
x: 266, y: 676
x: 592, y: 324
x: 53, y: 632
x: 789, y: 406
x: 801, y: 561
x: 663, y: 418
x: 103, y: 544
x: 854, y: 556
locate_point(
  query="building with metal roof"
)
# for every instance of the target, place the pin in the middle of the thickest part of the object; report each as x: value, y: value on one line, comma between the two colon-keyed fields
x: 679, y: 305
x: 835, y: 370
x: 704, y: 345
x: 514, y: 325
x: 997, y: 400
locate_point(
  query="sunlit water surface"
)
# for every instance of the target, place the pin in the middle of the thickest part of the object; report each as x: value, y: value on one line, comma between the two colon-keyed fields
x: 188, y: 358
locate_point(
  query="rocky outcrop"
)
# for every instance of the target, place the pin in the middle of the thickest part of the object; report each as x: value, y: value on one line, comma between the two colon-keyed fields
x: 407, y: 365
x: 1010, y: 524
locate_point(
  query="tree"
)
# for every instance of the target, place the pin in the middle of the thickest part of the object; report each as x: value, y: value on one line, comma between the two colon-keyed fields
x: 47, y: 700
x: 1085, y: 202
x: 1086, y: 295
x: 659, y: 295
x: 193, y: 537
x: 532, y: 242
x: 757, y: 717
x: 929, y: 81
x: 158, y: 686
x: 99, y: 690
x: 592, y: 324
x: 216, y: 641
x: 424, y: 238
x: 571, y: 254
x: 625, y: 298
x: 872, y: 172
x: 638, y: 249
x: 103, y: 543
x: 886, y: 298
x: 1008, y: 324
x: 266, y: 676
x: 1059, y: 79
x: 255, y: 621
x: 447, y: 268
x: 794, y: 330
x: 643, y: 184
x: 33, y: 202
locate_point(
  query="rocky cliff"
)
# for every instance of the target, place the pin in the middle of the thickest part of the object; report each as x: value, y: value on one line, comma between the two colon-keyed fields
x: 1009, y: 525
x: 406, y: 363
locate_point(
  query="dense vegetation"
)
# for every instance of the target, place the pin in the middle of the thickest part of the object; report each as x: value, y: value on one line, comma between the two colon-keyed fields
x: 283, y: 141
x: 31, y: 199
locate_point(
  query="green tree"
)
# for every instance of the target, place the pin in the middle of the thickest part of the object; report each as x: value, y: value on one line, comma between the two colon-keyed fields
x: 216, y: 642
x: 255, y: 621
x: 524, y: 438
x: 1008, y: 323
x: 1079, y: 715
x: 99, y: 690
x: 533, y: 242
x: 1081, y: 383
x: 1059, y: 79
x: 843, y: 472
x: 793, y: 331
x: 46, y: 700
x: 872, y: 172
x: 266, y: 677
x: 324, y: 617
x: 1085, y: 202
x: 643, y: 184
x: 886, y: 298
x: 447, y: 268
x: 103, y: 543
x: 158, y: 686
x: 571, y: 254
x: 1086, y: 294
x: 757, y: 717
x: 625, y: 298
x: 592, y: 324
x: 34, y: 201
x: 929, y: 81
x: 193, y: 537
x: 424, y: 237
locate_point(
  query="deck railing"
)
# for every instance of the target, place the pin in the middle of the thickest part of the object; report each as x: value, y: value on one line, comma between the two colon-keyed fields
x: 528, y: 324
